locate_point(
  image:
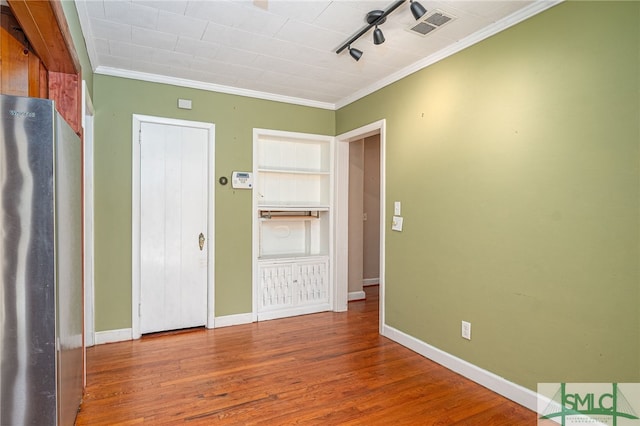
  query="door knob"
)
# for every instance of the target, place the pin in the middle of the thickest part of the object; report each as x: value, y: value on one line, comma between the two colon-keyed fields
x: 201, y: 241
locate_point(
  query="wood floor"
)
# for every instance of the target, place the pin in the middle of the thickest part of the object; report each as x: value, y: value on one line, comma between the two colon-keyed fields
x: 325, y: 369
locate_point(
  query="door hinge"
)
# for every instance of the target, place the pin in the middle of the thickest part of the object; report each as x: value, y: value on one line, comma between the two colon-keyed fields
x: 139, y: 309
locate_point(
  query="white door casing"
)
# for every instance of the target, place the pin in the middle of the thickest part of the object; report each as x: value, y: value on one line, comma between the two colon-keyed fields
x: 341, y: 209
x: 88, y: 240
x: 172, y: 205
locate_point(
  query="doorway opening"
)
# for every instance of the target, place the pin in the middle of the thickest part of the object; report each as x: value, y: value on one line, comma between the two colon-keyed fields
x: 364, y: 215
x: 346, y: 216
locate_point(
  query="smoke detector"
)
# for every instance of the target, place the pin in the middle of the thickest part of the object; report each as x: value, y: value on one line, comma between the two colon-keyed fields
x: 430, y: 22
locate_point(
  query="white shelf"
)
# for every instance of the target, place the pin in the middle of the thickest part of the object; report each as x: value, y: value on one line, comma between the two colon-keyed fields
x: 287, y: 258
x: 292, y: 208
x: 284, y: 216
x: 294, y: 171
x: 272, y: 206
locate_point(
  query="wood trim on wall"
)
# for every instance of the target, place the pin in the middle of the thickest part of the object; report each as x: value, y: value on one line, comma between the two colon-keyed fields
x: 63, y: 27
x: 59, y: 77
x: 65, y: 89
x: 46, y: 28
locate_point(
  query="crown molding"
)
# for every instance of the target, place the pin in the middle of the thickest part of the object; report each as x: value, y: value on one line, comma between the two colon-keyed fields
x: 83, y: 17
x: 533, y: 9
x: 211, y: 87
x: 498, y: 26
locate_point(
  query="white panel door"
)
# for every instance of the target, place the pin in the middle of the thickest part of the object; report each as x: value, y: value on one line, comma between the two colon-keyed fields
x: 173, y: 223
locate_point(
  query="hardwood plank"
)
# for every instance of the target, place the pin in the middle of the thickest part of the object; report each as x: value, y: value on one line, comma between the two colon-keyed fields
x: 328, y: 368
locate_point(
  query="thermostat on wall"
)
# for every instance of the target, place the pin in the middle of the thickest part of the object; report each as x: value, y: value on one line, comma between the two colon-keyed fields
x: 242, y: 180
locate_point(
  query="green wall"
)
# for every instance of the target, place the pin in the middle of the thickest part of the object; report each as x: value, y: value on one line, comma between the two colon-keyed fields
x: 116, y: 100
x: 517, y: 164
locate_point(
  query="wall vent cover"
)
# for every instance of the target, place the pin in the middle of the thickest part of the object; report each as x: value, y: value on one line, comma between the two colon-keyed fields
x: 430, y: 22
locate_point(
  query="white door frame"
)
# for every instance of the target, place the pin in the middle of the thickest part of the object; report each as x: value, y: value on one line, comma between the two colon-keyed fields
x: 87, y: 226
x: 341, y: 239
x: 135, y: 216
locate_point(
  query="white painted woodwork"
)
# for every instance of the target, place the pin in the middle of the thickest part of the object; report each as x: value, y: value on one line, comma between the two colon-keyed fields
x: 341, y: 207
x: 293, y: 224
x: 87, y: 126
x: 293, y: 172
x: 173, y: 212
x: 292, y: 284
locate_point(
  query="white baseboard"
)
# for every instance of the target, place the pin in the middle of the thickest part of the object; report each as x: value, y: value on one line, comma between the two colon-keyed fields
x: 499, y: 385
x: 229, y: 320
x: 356, y: 295
x: 112, y: 336
x: 124, y: 334
x: 292, y: 312
x: 370, y: 281
x: 89, y: 339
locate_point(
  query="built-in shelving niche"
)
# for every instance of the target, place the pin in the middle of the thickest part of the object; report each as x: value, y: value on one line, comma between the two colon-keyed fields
x: 293, y: 209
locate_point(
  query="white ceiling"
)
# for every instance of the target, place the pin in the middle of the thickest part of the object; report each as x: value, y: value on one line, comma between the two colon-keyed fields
x: 280, y: 49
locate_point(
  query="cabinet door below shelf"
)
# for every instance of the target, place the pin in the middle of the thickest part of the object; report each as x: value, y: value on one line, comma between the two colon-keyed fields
x: 311, y: 283
x: 294, y: 288
x: 276, y: 286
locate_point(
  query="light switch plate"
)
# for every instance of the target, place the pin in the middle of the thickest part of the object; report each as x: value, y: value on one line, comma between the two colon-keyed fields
x: 397, y: 208
x: 396, y: 224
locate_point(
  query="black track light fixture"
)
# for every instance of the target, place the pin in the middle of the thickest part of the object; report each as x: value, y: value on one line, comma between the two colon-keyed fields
x: 378, y: 37
x: 375, y: 18
x: 417, y: 9
x: 355, y: 53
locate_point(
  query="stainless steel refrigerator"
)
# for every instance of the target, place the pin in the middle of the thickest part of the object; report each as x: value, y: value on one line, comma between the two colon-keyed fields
x: 41, y: 322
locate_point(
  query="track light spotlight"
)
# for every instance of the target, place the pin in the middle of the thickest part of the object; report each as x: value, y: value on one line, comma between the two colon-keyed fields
x: 417, y: 9
x: 375, y: 18
x: 378, y: 37
x: 355, y: 53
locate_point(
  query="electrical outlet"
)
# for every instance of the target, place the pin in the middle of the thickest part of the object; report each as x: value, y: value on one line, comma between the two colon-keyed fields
x: 466, y: 330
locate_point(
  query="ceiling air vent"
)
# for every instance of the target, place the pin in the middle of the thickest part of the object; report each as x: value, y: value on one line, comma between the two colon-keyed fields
x: 430, y: 22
